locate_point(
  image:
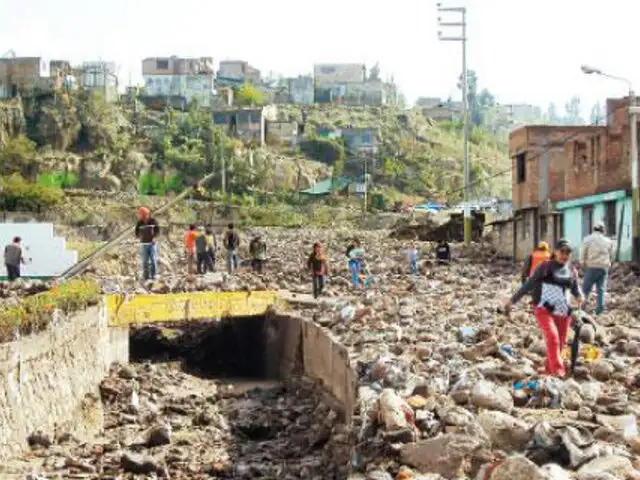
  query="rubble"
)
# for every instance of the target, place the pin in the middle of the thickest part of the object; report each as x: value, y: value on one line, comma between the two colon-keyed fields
x: 448, y: 386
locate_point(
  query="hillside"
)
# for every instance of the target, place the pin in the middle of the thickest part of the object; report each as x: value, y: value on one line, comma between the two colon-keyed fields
x: 417, y: 155
x: 86, y: 143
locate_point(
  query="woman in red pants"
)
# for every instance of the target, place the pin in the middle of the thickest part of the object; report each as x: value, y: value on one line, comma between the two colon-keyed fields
x: 549, y: 286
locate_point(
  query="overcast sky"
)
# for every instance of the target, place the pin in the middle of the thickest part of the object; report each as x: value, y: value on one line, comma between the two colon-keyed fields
x: 522, y: 51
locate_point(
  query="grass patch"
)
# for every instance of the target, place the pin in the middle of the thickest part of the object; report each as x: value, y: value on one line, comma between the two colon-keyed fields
x: 34, y: 313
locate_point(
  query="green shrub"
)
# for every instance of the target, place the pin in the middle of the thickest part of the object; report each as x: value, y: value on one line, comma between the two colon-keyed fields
x: 324, y: 150
x: 154, y: 184
x: 34, y: 313
x: 58, y: 180
x: 19, y: 194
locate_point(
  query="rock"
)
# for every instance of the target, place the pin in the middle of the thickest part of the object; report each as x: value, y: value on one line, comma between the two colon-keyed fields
x: 585, y: 414
x: 602, y: 370
x: 519, y: 468
x: 624, y: 425
x: 457, y: 416
x: 449, y: 455
x: 159, y: 435
x: 614, y: 464
x: 126, y: 372
x: 378, y: 475
x: 505, y: 432
x: 553, y: 471
x: 395, y: 413
x: 139, y: 464
x: 483, y: 349
x: 634, y: 444
x: 633, y: 349
x: 488, y: 395
x: 39, y: 439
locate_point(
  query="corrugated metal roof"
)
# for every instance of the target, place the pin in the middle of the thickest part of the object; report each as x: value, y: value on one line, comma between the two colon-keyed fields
x: 327, y: 186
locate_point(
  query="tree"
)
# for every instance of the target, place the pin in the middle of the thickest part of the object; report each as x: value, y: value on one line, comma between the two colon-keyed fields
x: 249, y: 95
x: 479, y: 103
x: 19, y: 156
x: 573, y: 114
x: 374, y: 73
x: 598, y: 114
x: 552, y: 114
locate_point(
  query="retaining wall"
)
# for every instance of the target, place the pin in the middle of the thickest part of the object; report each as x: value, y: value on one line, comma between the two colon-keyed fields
x: 296, y: 346
x: 49, y: 381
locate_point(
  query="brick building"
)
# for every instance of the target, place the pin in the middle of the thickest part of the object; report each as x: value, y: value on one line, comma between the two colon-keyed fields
x: 566, y: 178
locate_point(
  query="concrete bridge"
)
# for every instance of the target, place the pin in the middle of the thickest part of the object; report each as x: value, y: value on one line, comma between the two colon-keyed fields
x: 50, y: 380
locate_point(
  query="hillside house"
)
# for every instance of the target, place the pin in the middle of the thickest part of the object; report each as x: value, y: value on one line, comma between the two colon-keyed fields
x: 25, y: 76
x: 99, y: 77
x: 238, y: 71
x: 246, y: 124
x: 360, y: 139
x: 185, y: 79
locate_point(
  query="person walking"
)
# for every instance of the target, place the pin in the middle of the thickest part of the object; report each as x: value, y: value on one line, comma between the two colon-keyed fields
x: 258, y: 251
x: 147, y: 231
x: 231, y: 243
x: 443, y: 252
x: 539, y: 254
x: 355, y: 255
x: 317, y: 264
x: 412, y: 257
x: 201, y: 252
x: 549, y: 286
x: 596, y: 257
x: 13, y: 258
x: 190, y: 248
x: 212, y: 246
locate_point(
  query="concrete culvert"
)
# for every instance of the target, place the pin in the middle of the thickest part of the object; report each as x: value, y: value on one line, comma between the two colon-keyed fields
x: 229, y: 348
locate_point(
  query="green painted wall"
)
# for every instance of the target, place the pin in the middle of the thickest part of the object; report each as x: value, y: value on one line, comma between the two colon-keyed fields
x: 573, y: 228
x: 573, y: 225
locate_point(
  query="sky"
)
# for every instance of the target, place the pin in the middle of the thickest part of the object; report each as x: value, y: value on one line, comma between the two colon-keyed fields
x: 523, y: 52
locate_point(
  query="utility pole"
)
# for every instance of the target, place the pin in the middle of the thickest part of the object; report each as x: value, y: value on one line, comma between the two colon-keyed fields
x: 223, y: 167
x: 364, y: 208
x: 465, y: 103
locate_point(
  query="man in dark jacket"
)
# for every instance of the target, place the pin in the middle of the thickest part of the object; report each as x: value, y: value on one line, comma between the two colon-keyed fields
x: 13, y: 258
x: 258, y: 250
x: 147, y: 231
x: 231, y: 243
x: 443, y: 252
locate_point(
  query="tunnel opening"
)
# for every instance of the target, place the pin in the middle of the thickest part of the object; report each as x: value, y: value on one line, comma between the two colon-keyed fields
x: 227, y: 348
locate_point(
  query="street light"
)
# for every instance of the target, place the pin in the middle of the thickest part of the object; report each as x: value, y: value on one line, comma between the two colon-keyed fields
x: 465, y: 102
x: 633, y: 125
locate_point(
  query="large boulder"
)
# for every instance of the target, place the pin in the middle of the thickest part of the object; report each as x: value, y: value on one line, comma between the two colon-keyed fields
x: 449, y: 455
x: 485, y: 394
x: 505, y: 432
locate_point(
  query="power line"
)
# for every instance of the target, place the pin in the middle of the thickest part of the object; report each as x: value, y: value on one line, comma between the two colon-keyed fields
x: 545, y: 150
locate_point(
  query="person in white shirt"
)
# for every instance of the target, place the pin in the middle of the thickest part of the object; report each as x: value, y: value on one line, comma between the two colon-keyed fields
x: 596, y: 256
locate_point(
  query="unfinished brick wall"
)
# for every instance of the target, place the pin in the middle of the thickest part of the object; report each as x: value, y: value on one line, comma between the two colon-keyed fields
x: 577, y: 161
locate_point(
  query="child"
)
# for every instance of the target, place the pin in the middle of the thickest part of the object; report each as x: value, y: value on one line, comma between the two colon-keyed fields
x: 412, y: 256
x: 317, y: 263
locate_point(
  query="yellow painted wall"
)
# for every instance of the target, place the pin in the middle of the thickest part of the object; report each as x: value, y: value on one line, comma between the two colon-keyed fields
x: 123, y: 310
